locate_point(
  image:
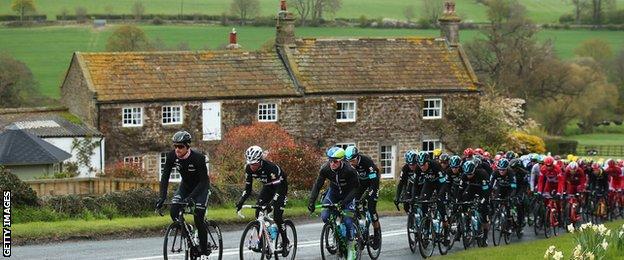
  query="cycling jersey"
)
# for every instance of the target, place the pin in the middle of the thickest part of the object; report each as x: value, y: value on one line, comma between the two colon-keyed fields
x: 343, y: 180
x: 550, y: 179
x: 193, y: 172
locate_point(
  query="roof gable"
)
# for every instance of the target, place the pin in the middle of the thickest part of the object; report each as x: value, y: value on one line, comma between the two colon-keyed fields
x: 18, y: 147
x: 44, y: 122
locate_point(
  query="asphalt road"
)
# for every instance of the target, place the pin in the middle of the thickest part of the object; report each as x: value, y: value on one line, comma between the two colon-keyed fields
x: 395, y: 244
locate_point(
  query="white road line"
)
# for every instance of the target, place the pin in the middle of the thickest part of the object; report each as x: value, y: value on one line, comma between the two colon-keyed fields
x: 309, y: 243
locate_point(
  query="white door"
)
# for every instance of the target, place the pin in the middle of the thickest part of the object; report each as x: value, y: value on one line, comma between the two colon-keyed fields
x: 211, y: 121
x: 387, y: 160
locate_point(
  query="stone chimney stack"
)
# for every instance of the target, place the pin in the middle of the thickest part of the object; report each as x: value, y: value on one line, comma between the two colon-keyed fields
x: 285, y: 28
x: 449, y: 23
x: 233, y: 41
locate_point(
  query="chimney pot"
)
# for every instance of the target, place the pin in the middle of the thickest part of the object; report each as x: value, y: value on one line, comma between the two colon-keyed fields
x: 283, y: 5
x: 233, y: 41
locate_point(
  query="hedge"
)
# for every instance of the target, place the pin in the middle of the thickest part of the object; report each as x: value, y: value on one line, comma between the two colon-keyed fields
x: 560, y: 146
x: 36, y: 17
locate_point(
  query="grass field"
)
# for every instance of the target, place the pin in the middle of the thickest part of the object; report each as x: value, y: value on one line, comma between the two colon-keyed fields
x: 541, y: 11
x: 531, y: 249
x: 47, y: 50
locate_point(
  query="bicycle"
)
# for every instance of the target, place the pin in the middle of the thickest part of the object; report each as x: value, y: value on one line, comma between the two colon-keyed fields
x: 184, y: 237
x: 573, y: 211
x: 504, y: 223
x: 616, y: 205
x: 334, y: 240
x: 539, y: 214
x: 432, y: 230
x: 414, y: 218
x: 261, y: 238
x: 470, y: 223
x: 365, y: 221
x: 551, y: 216
x: 598, y: 207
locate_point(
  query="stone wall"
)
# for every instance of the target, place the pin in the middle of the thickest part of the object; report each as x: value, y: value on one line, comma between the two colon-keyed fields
x: 76, y: 96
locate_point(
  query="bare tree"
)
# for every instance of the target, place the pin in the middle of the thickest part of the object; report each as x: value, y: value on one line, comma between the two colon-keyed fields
x: 320, y: 7
x: 138, y: 9
x: 432, y: 9
x: 245, y: 9
x: 579, y: 7
x: 303, y: 7
x: 23, y: 7
x: 81, y: 14
x: 409, y: 13
x: 128, y: 38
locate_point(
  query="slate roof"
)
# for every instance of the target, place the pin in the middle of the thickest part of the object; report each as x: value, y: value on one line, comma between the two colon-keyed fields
x: 137, y: 76
x: 44, y: 123
x: 381, y: 65
x: 18, y: 147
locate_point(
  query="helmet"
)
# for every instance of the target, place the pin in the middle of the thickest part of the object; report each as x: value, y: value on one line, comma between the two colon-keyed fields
x: 620, y: 163
x: 335, y: 153
x: 437, y: 152
x: 455, y: 161
x: 572, y: 166
x: 423, y: 157
x: 540, y: 158
x: 479, y: 151
x: 410, y: 157
x: 610, y: 162
x: 444, y: 157
x: 181, y: 137
x: 534, y: 157
x: 548, y: 161
x: 469, y: 167
x: 570, y: 157
x: 468, y: 152
x: 351, y: 152
x: 581, y: 162
x: 487, y: 155
x: 502, y: 164
x: 510, y: 155
x: 516, y: 163
x: 253, y: 154
x: 595, y: 166
x: 497, y: 157
x: 477, y: 159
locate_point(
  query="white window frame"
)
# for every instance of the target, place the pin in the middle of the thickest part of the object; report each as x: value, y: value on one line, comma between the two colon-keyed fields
x: 171, y: 113
x: 392, y: 160
x: 436, y: 144
x: 344, y: 145
x: 134, y: 161
x: 133, y: 111
x: 175, y: 175
x: 346, y: 111
x: 426, y: 109
x: 269, y: 112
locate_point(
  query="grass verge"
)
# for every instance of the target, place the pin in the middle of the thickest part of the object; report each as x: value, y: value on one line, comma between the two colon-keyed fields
x: 531, y: 249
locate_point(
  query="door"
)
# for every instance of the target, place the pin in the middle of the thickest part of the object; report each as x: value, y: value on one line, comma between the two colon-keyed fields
x: 211, y: 121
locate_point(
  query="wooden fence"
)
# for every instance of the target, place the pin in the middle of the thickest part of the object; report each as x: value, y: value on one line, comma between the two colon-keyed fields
x: 85, y: 186
x: 601, y: 150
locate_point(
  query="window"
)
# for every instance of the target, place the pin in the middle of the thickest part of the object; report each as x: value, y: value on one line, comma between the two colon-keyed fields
x: 132, y: 116
x: 267, y: 112
x: 345, y: 111
x: 344, y: 145
x: 386, y: 159
x: 171, y: 115
x: 175, y: 174
x: 134, y: 161
x: 432, y: 108
x: 430, y: 145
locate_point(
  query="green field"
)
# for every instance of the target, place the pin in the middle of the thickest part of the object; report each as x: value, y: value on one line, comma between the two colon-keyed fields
x: 47, y: 50
x: 541, y: 11
x: 598, y: 139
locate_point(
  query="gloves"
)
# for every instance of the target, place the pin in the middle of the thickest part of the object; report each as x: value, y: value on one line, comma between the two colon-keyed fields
x: 160, y: 203
x: 311, y: 207
x: 189, y: 201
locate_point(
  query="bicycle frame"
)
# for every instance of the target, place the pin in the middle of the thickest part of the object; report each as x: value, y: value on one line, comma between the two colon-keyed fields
x: 263, y: 219
x: 342, y: 247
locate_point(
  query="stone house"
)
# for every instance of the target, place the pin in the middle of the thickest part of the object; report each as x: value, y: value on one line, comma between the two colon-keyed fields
x: 377, y: 93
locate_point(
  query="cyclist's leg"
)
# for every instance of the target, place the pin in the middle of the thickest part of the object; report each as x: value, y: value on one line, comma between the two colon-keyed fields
x: 265, y: 196
x: 348, y: 219
x: 178, y: 196
x: 426, y: 193
x: 201, y: 202
x: 328, y: 199
x: 278, y: 211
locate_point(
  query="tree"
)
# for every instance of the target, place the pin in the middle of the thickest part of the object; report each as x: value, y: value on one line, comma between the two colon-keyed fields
x: 81, y: 14
x: 17, y: 84
x: 320, y: 7
x: 579, y: 7
x: 138, y: 9
x: 598, y: 49
x: 617, y: 77
x: 128, y: 38
x: 245, y: 9
x: 22, y: 7
x: 432, y: 9
x: 303, y: 7
x: 409, y: 13
x: 64, y: 13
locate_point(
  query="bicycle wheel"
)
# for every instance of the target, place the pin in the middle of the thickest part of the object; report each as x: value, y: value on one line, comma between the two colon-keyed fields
x: 452, y: 232
x: 554, y: 222
x: 175, y: 245
x: 538, y: 216
x: 291, y: 251
x: 547, y: 222
x: 374, y: 247
x: 329, y: 244
x: 497, y: 228
x: 426, y: 241
x: 466, y: 231
x: 358, y: 239
x: 566, y: 217
x: 215, y: 240
x: 252, y: 242
x: 412, y: 232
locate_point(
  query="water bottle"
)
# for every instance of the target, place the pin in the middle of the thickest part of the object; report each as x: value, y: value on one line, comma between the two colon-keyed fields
x: 436, y: 225
x: 196, y: 237
x: 343, y: 230
x: 362, y: 225
x: 273, y: 231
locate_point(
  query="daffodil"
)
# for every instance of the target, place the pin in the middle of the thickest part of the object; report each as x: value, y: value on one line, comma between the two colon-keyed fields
x: 590, y: 256
x: 604, y: 244
x: 558, y: 255
x: 571, y: 228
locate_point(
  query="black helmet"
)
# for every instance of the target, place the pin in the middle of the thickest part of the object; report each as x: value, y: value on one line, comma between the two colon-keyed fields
x: 455, y: 161
x: 510, y: 155
x: 469, y: 167
x: 423, y: 157
x: 445, y: 157
x: 181, y: 137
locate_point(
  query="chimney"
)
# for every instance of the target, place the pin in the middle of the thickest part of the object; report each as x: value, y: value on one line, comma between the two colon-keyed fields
x: 233, y: 41
x: 285, y: 27
x: 449, y: 23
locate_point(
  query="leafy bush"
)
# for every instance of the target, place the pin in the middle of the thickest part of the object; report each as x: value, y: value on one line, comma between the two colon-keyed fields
x: 301, y: 163
x: 72, y: 205
x: 21, y: 193
x: 126, y: 171
x: 560, y: 146
x: 32, y: 214
x: 387, y: 190
x: 566, y: 18
x: 137, y: 202
x: 526, y: 143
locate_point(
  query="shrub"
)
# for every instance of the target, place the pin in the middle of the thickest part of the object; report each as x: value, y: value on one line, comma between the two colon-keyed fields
x: 137, y: 202
x: 157, y: 21
x: 127, y: 171
x: 71, y: 205
x: 566, y: 18
x: 32, y: 214
x: 301, y: 163
x: 520, y: 141
x: 560, y: 146
x: 387, y: 190
x: 21, y: 193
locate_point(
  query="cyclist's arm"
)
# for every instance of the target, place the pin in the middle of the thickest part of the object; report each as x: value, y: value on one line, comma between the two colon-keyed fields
x: 164, y: 179
x: 247, y: 191
x: 282, y: 187
x: 317, y: 187
x: 402, y: 182
x: 204, y: 181
x: 353, y: 181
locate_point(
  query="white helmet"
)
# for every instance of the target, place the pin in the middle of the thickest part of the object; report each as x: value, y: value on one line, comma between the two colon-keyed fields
x: 253, y: 154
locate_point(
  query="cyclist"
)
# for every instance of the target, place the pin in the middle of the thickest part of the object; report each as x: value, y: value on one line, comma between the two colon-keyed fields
x: 444, y: 161
x: 598, y: 181
x: 368, y: 175
x: 409, y: 182
x: 522, y: 180
x: 274, y: 190
x: 550, y: 179
x: 575, y: 179
x: 194, y: 187
x: 614, y: 172
x: 535, y: 173
x: 503, y: 182
x: 435, y: 181
x: 475, y: 182
x: 343, y: 187
x: 454, y: 177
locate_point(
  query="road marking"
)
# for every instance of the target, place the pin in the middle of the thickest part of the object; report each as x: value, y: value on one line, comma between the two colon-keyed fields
x: 309, y: 243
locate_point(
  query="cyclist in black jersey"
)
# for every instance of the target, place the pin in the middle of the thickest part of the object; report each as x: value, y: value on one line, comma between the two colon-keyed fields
x: 368, y: 175
x: 408, y: 189
x: 274, y: 191
x: 435, y: 181
x: 454, y: 177
x: 195, y: 184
